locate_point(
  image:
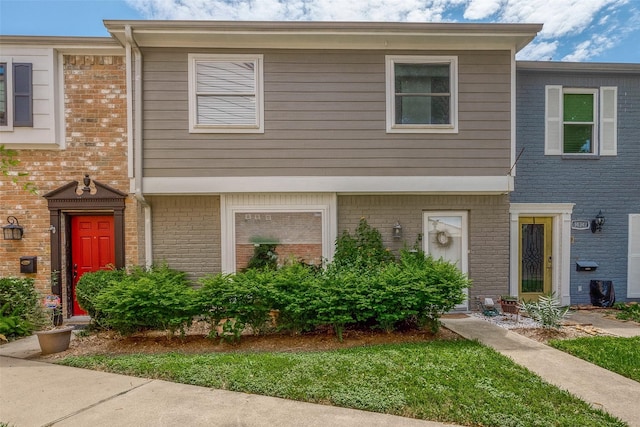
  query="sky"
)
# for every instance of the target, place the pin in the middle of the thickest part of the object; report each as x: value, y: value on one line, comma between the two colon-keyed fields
x: 574, y: 30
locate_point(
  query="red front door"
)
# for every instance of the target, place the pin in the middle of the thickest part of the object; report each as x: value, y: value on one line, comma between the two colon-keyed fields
x: 92, y: 248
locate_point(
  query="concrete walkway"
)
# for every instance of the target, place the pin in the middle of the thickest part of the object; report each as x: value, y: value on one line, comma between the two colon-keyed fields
x: 615, y: 394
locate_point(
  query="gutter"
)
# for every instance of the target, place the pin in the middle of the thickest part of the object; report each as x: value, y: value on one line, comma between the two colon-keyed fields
x: 134, y: 130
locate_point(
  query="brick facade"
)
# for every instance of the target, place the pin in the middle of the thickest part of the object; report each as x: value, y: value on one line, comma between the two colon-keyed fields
x: 186, y: 233
x: 95, y: 117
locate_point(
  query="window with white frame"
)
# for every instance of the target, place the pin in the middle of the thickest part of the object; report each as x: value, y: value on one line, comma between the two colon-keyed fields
x: 280, y: 227
x: 581, y: 121
x: 225, y: 93
x: 16, y: 95
x: 422, y: 93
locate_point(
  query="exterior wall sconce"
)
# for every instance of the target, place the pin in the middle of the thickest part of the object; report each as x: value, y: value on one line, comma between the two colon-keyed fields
x: 397, y: 231
x: 12, y: 231
x: 596, y: 224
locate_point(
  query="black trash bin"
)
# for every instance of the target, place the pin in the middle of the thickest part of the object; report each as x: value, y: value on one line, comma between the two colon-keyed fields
x: 602, y: 293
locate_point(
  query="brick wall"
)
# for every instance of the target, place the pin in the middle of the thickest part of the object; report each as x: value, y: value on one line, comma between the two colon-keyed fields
x: 488, y: 229
x: 186, y: 233
x: 96, y: 144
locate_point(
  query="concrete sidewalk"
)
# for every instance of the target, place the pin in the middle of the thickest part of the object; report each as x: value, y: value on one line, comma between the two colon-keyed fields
x: 603, y: 389
x: 43, y: 394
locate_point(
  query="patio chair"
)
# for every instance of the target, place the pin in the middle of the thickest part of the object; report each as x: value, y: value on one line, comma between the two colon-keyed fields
x: 487, y: 306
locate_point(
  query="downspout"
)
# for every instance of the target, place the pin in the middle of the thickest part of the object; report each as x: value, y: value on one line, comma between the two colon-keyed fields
x: 134, y: 121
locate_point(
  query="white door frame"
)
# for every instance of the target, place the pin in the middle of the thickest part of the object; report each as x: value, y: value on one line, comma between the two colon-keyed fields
x: 561, y: 245
x: 464, y: 249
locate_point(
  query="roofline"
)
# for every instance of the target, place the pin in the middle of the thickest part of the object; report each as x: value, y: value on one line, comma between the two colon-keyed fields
x: 67, y: 44
x: 323, y: 26
x: 578, y: 67
x: 308, y: 34
x: 59, y: 40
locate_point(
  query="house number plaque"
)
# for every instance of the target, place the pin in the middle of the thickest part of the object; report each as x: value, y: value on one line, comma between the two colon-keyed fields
x: 580, y: 224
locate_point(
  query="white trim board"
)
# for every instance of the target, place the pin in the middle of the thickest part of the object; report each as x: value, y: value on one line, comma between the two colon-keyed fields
x: 330, y: 184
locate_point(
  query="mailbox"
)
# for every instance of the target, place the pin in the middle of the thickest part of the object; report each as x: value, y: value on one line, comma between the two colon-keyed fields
x: 586, y: 266
x: 28, y: 264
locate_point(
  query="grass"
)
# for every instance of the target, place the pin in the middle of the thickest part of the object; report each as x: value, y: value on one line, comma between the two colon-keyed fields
x: 459, y: 382
x: 620, y: 355
x: 628, y: 311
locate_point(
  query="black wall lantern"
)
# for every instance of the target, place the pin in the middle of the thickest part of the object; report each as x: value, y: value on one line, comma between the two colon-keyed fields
x: 596, y: 224
x: 397, y: 231
x: 12, y: 231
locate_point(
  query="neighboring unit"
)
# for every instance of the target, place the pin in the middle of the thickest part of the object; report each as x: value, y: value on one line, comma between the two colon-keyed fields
x: 575, y: 211
x: 63, y: 110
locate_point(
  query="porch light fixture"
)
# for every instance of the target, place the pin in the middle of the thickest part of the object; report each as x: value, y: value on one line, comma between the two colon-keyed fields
x: 12, y: 231
x: 598, y: 222
x: 397, y: 231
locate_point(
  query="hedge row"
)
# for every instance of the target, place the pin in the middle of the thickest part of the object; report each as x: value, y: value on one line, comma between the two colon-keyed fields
x: 415, y: 289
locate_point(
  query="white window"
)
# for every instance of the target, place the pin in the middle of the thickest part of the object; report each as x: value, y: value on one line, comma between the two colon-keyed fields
x: 581, y: 122
x: 225, y: 93
x: 422, y: 94
x: 16, y: 95
x: 288, y: 226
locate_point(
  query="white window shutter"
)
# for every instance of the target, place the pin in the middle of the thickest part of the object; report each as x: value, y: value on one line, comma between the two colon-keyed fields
x: 608, y: 121
x: 553, y: 120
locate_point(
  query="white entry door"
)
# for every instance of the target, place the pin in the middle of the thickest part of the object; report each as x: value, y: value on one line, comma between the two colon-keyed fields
x: 633, y: 276
x: 446, y: 236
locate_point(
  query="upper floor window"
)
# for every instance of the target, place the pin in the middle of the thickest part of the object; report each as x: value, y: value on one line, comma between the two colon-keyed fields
x: 16, y: 95
x: 581, y: 121
x: 422, y: 93
x: 225, y: 93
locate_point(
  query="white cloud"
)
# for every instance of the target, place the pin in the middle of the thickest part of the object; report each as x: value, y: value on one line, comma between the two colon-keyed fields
x: 538, y: 51
x: 560, y: 17
x: 296, y: 10
x: 585, y: 28
x: 481, y: 9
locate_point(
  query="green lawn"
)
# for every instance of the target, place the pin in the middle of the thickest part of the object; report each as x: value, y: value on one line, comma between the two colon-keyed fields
x: 620, y: 355
x: 459, y: 382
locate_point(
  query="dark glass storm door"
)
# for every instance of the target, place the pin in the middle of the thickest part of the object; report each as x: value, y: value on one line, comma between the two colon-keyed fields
x: 535, y: 257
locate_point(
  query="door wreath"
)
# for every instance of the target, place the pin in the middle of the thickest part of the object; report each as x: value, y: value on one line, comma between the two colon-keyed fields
x: 443, y: 239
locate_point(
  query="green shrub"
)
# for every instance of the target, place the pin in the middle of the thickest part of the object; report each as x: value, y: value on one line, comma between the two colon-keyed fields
x: 363, y: 249
x: 158, y: 298
x: 264, y: 256
x: 293, y: 289
x: 20, y: 307
x: 243, y: 297
x: 354, y: 290
x: 14, y: 326
x: 91, y: 285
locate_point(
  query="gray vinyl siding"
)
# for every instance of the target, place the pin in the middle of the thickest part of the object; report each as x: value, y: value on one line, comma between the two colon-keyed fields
x: 325, y: 116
